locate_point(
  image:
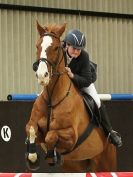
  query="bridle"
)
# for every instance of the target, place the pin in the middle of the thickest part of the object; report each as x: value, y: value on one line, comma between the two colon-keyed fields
x: 58, y: 59
x: 54, y: 72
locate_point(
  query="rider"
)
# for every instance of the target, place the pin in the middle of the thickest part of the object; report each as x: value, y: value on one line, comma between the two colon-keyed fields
x: 78, y: 68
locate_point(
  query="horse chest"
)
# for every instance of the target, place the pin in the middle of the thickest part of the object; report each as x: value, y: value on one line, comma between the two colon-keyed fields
x: 61, y: 119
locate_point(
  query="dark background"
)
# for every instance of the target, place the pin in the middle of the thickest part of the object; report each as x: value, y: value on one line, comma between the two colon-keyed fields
x: 16, y: 114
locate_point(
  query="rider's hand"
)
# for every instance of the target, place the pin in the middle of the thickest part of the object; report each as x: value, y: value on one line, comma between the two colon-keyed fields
x: 70, y: 74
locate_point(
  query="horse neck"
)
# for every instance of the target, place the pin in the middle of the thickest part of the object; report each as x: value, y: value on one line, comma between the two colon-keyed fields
x: 59, y: 84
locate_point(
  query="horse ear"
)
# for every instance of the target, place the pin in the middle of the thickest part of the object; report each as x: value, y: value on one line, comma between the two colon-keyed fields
x: 61, y: 29
x: 41, y: 30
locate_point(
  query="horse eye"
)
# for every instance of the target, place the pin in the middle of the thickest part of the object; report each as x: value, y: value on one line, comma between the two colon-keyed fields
x: 35, y: 66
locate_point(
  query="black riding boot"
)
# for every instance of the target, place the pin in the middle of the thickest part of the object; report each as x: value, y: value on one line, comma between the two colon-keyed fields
x: 114, y: 136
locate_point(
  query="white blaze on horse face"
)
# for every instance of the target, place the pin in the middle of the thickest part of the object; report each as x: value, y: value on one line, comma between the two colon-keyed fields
x: 42, y: 72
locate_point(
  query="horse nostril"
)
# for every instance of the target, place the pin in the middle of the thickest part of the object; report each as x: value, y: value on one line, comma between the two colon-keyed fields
x: 46, y: 74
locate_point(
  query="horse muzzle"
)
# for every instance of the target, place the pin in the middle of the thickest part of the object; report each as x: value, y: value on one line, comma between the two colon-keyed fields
x: 43, y: 82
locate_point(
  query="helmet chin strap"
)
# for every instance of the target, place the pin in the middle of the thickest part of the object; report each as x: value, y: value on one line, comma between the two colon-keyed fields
x: 69, y: 58
x: 68, y: 55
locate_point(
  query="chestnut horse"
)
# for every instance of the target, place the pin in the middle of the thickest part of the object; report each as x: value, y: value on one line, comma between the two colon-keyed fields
x: 59, y: 119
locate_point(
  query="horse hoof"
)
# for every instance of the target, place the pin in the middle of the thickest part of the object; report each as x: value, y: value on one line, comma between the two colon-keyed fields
x: 32, y: 166
x: 55, y: 161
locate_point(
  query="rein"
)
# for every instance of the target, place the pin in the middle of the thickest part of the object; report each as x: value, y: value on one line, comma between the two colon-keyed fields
x: 52, y: 106
x: 54, y: 72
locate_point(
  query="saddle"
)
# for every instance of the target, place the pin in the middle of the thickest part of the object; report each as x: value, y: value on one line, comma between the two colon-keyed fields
x: 92, y: 108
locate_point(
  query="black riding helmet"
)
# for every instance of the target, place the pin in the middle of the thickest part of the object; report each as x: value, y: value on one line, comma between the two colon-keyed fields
x: 76, y: 39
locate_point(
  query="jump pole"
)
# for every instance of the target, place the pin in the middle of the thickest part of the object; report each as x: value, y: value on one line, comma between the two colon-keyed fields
x: 104, y: 97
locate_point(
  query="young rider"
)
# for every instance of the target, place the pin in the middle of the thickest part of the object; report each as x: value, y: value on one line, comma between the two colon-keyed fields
x: 79, y: 70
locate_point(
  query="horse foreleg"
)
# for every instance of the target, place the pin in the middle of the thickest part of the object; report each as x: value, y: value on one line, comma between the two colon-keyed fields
x: 51, y: 139
x: 32, y: 156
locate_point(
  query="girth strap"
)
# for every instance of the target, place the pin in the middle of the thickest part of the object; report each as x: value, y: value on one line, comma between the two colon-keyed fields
x: 87, y: 132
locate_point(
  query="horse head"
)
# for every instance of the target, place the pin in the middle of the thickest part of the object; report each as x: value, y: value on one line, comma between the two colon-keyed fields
x: 48, y: 51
